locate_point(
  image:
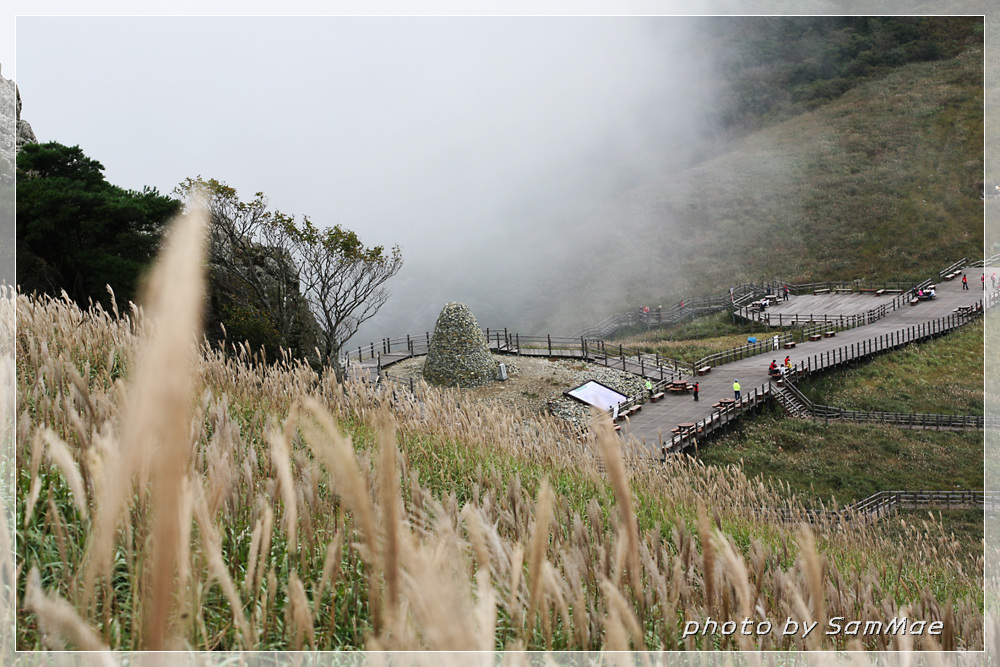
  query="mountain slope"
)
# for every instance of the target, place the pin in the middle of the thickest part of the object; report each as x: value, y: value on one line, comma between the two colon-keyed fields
x: 884, y: 182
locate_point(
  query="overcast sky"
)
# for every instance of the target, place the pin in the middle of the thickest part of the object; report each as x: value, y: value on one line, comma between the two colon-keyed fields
x: 443, y: 135
x: 402, y: 129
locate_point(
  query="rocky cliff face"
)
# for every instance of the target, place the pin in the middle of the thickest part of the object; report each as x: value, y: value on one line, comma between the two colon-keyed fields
x: 14, y: 132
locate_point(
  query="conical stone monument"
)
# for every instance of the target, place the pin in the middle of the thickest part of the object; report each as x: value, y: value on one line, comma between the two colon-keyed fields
x: 459, y: 354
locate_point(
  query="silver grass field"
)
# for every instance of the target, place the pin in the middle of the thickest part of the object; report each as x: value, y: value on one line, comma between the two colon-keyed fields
x: 175, y: 496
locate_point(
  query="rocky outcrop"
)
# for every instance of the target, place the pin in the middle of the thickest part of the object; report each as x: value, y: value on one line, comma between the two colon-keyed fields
x: 459, y: 354
x: 14, y: 132
x: 9, y: 108
x: 25, y: 135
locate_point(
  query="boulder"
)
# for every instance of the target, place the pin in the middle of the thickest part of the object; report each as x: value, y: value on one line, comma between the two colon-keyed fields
x: 459, y: 354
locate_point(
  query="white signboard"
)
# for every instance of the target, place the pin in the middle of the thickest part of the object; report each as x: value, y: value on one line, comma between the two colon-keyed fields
x: 599, y: 395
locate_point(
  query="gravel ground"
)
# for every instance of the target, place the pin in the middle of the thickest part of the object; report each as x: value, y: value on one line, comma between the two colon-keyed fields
x: 535, y: 385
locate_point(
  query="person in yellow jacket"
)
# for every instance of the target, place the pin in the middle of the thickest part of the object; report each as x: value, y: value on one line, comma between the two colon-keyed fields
x: 736, y: 388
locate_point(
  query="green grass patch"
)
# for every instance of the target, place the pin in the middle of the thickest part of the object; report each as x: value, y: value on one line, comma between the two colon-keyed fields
x: 849, y: 462
x: 942, y: 376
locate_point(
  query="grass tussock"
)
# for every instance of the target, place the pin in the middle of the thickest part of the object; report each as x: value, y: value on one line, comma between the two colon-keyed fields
x: 305, y: 513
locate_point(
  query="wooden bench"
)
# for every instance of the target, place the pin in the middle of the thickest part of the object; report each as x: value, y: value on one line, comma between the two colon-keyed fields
x: 880, y: 292
x: 894, y: 291
x: 825, y: 290
x: 636, y: 408
x: 704, y: 369
x: 655, y: 397
x: 844, y: 290
x: 815, y: 336
x: 829, y: 334
x: 677, y: 389
x: 914, y: 301
x: 789, y: 344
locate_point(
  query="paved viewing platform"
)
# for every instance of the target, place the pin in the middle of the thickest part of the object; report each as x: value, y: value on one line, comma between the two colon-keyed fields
x: 655, y: 422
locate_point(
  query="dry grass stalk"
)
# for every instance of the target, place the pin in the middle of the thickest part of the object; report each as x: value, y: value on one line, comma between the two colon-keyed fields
x: 707, y: 559
x: 58, y: 453
x: 390, y: 504
x: 331, y: 567
x: 537, y: 547
x: 813, y: 572
x: 337, y: 453
x: 163, y: 393
x: 280, y: 453
x: 620, y: 613
x: 37, y: 447
x: 158, y: 407
x: 612, y: 456
x: 212, y: 550
x: 60, y: 624
x: 298, y: 615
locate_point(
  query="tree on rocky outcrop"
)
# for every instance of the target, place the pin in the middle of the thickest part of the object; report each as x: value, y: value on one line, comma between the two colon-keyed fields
x: 254, y: 292
x: 343, y: 281
x: 459, y: 353
x: 285, y: 282
x: 77, y: 232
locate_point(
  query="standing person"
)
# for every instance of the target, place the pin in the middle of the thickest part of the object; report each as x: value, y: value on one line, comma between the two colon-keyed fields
x: 736, y: 389
x: 993, y: 279
x: 965, y: 282
x: 649, y: 388
x: 984, y: 281
x: 785, y: 293
x: 696, y: 391
x: 659, y: 314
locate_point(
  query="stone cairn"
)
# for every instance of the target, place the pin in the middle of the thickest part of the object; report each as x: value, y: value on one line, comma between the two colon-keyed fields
x: 459, y: 354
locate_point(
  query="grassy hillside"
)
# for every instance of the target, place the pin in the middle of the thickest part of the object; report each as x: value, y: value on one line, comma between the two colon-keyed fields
x: 849, y: 462
x: 307, y: 514
x: 943, y: 376
x: 885, y: 182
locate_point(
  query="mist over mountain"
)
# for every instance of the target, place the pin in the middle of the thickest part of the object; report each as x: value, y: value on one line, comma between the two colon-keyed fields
x: 802, y: 149
x: 548, y: 171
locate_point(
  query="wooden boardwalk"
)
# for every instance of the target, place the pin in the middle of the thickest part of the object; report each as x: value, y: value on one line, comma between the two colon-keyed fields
x: 895, y: 324
x: 655, y: 422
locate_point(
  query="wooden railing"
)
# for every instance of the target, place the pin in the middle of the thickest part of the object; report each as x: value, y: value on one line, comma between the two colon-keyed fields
x: 953, y: 267
x: 744, y: 351
x: 879, y: 504
x: 995, y: 259
x: 720, y: 419
x: 908, y: 419
x: 842, y: 322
